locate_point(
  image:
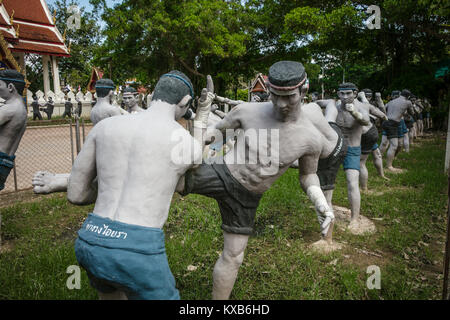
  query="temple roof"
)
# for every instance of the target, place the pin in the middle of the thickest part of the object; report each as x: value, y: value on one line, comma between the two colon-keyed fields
x: 28, y: 26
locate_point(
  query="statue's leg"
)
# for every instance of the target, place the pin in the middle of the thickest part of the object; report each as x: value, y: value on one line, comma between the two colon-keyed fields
x: 406, y: 142
x: 329, y: 196
x: 363, y: 174
x: 384, y: 144
x: 400, y: 146
x: 391, y: 153
x: 378, y: 163
x: 116, y: 295
x: 354, y: 195
x: 227, y: 266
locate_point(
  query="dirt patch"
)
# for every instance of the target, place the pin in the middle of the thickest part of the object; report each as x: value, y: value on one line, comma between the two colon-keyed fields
x: 9, y: 199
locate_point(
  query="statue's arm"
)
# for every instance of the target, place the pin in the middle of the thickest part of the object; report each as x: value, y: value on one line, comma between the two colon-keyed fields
x: 5, y: 115
x: 331, y: 112
x: 310, y: 183
x: 360, y: 115
x: 377, y: 112
x: 82, y: 188
x: 380, y: 102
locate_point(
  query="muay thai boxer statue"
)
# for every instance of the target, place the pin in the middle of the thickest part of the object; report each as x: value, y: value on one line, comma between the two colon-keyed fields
x: 272, y: 136
x: 392, y: 127
x: 369, y: 140
x: 134, y: 159
x: 351, y: 116
x: 13, y: 120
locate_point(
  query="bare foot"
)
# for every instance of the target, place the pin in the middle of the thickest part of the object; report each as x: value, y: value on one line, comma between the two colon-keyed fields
x: 45, y: 182
x: 394, y: 170
x: 361, y: 225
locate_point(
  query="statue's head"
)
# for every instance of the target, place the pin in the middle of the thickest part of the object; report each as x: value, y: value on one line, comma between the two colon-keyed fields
x: 314, y: 96
x: 175, y: 88
x: 130, y: 97
x: 12, y: 82
x: 405, y: 93
x: 288, y: 84
x: 368, y: 93
x: 395, y: 94
x: 347, y: 92
x: 105, y: 88
x: 412, y: 98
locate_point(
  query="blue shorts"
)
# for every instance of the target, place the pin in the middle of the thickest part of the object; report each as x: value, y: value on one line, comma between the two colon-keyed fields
x: 402, y: 129
x: 120, y: 256
x: 6, y: 165
x: 352, y: 159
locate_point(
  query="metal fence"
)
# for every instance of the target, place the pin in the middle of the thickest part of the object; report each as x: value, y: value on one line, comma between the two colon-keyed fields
x: 52, y: 148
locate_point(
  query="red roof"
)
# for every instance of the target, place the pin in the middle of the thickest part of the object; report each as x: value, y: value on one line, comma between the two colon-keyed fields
x: 29, y: 10
x: 33, y: 29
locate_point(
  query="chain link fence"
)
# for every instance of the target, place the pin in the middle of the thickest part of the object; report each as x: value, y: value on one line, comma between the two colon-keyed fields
x: 51, y: 147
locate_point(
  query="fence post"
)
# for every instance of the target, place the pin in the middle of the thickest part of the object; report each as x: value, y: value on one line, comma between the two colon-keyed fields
x: 82, y: 127
x: 71, y: 140
x: 15, y: 177
x: 77, y: 134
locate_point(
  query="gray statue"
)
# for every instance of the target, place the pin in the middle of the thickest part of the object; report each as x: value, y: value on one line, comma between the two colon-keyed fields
x: 13, y: 120
x: 121, y: 244
x: 351, y: 116
x: 369, y: 139
x: 392, y: 127
x: 131, y: 99
x: 288, y: 131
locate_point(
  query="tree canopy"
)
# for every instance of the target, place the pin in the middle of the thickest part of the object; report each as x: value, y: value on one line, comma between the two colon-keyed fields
x: 233, y: 40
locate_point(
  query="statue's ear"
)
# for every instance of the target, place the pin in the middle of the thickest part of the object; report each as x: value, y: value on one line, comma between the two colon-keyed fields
x: 183, y: 102
x: 11, y: 87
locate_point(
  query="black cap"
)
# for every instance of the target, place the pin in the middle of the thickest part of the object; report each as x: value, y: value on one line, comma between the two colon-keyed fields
x: 286, y: 75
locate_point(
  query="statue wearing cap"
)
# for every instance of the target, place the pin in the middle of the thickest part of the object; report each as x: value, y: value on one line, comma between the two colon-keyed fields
x: 394, y: 128
x: 13, y: 120
x: 130, y: 99
x: 270, y: 137
x: 351, y: 116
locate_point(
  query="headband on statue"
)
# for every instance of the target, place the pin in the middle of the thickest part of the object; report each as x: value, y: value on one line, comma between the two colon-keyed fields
x: 180, y: 78
x: 351, y: 88
x: 288, y: 88
x: 14, y: 80
x: 104, y: 87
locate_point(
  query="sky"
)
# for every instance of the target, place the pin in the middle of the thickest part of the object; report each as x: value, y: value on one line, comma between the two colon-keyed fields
x: 85, y: 3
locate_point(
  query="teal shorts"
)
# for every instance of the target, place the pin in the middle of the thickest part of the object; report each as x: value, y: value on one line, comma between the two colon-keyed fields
x: 130, y: 258
x: 6, y: 165
x: 352, y: 159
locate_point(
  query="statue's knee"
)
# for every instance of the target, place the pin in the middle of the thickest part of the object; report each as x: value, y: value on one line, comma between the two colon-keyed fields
x: 233, y: 257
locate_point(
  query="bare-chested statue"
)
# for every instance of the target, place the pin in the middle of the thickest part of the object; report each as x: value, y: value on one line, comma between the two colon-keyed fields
x: 121, y: 244
x: 351, y: 116
x: 45, y: 182
x: 13, y: 120
x: 396, y: 109
x: 271, y: 136
x: 131, y: 100
x: 369, y: 139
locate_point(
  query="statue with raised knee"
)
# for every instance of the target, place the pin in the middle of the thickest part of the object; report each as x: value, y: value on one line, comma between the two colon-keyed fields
x: 270, y: 136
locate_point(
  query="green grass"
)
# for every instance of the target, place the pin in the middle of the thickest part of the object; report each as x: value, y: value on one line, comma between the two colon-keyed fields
x: 408, y: 245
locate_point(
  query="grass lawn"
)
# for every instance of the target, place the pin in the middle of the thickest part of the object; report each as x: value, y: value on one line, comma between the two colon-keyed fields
x: 409, y: 211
